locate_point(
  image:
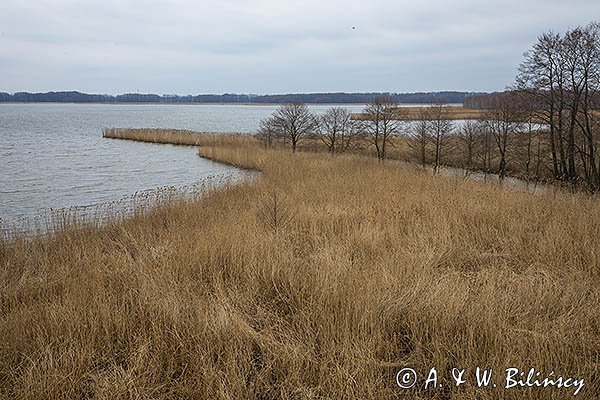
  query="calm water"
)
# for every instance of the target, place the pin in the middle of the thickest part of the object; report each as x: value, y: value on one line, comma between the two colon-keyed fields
x: 54, y: 156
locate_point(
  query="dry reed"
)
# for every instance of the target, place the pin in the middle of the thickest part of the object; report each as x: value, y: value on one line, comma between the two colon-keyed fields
x: 177, y: 136
x: 376, y: 268
x: 452, y: 113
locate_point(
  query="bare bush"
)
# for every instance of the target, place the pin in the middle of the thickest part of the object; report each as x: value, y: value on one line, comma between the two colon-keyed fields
x: 274, y: 211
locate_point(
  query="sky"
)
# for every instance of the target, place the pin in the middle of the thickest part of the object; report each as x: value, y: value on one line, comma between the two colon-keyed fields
x: 273, y: 46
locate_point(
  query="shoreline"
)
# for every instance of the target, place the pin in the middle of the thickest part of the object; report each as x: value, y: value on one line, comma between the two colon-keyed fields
x: 207, y: 141
x: 209, y: 103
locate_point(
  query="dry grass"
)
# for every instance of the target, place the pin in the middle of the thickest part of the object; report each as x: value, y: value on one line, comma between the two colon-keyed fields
x: 177, y: 137
x: 453, y: 113
x: 373, y: 267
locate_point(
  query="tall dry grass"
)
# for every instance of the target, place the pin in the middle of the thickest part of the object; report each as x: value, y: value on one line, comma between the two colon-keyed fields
x: 372, y: 268
x: 178, y: 136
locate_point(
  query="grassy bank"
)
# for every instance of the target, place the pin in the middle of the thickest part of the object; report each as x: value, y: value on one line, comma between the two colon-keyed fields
x: 321, y: 279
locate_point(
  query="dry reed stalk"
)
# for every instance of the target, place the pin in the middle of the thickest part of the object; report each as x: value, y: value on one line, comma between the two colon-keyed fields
x: 379, y: 267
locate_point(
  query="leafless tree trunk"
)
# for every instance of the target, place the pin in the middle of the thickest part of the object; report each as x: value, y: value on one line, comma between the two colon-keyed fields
x: 336, y: 129
x: 503, y: 120
x: 419, y: 138
x: 572, y: 49
x: 268, y: 132
x: 562, y: 75
x: 487, y: 148
x: 540, y: 76
x: 382, y: 120
x: 440, y: 127
x: 468, y: 135
x: 589, y: 72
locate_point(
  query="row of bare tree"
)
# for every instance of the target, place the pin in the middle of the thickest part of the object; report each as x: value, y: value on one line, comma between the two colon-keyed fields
x: 561, y: 76
x: 505, y: 135
x: 434, y: 139
x: 337, y: 128
x: 506, y: 139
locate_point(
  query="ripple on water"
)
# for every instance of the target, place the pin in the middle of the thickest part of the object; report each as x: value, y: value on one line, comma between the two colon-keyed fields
x: 54, y: 157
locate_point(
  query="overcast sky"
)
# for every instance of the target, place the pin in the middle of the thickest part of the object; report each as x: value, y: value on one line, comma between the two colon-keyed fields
x: 272, y: 46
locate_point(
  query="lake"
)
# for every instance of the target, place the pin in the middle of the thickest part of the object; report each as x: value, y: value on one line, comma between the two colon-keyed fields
x: 53, y: 156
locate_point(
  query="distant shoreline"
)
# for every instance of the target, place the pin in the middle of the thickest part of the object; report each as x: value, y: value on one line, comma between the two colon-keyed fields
x: 447, y: 97
x: 206, y: 103
x: 139, y: 103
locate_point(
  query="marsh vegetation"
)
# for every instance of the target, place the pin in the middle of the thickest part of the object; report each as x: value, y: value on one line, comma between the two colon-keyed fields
x: 323, y: 278
x: 328, y: 274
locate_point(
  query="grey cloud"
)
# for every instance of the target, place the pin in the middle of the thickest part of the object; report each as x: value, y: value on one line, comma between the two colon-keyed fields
x: 260, y: 46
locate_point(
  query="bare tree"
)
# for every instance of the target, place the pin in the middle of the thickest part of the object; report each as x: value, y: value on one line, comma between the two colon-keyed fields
x: 382, y: 120
x: 561, y: 73
x: 572, y: 48
x: 468, y: 135
x: 268, y: 131
x: 336, y: 129
x: 418, y: 137
x: 541, y: 76
x: 440, y: 127
x: 485, y: 153
x: 503, y: 121
x: 294, y: 121
x: 589, y: 78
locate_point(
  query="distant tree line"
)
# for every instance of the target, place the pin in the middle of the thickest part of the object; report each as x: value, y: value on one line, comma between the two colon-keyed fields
x: 77, y: 97
x: 357, y: 98
x: 364, y: 98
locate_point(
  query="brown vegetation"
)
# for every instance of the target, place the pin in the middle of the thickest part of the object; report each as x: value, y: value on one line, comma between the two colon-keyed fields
x: 174, y: 136
x: 321, y: 279
x: 453, y: 113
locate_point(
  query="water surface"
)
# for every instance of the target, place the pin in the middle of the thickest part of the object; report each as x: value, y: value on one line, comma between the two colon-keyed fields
x: 53, y: 156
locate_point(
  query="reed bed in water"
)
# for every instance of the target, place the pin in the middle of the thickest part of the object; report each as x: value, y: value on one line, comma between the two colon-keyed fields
x: 321, y: 279
x: 52, y: 220
x: 416, y: 113
x: 176, y: 136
